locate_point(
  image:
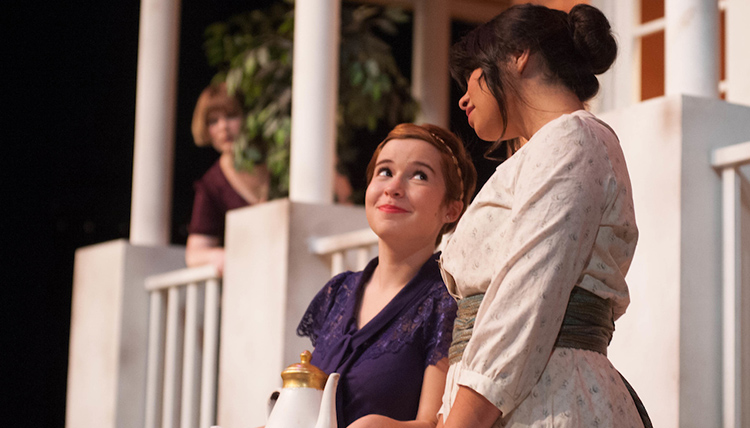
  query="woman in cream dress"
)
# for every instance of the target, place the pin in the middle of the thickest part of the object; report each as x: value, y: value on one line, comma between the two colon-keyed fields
x: 555, y: 220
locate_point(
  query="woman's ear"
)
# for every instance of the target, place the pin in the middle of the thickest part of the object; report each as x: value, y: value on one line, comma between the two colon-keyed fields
x: 521, y: 60
x: 454, y: 211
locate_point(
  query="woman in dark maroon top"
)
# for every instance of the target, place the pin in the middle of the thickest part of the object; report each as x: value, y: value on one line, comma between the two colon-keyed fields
x: 217, y: 120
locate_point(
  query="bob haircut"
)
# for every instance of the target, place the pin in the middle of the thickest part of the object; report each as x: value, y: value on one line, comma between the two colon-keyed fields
x: 213, y: 98
x: 458, y: 170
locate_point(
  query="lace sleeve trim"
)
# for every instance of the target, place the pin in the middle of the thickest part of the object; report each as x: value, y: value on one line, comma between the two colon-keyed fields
x: 330, y: 299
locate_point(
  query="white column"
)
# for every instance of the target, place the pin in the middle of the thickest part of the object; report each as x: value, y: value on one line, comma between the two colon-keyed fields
x: 158, y: 43
x: 692, y: 47
x: 738, y: 61
x: 314, y: 99
x: 616, y: 83
x: 430, y: 75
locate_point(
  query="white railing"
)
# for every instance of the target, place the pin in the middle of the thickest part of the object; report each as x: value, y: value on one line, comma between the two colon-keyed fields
x: 182, y: 365
x: 181, y: 379
x: 727, y: 162
x: 350, y: 250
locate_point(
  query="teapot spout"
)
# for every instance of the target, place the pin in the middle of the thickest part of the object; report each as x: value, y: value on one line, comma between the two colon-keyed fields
x: 327, y: 415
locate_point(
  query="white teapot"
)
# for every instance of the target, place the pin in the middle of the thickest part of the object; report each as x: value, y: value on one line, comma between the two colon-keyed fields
x: 304, y: 402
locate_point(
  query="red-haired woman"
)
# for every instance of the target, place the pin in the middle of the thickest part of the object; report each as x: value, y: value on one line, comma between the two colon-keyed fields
x: 217, y: 121
x: 387, y: 329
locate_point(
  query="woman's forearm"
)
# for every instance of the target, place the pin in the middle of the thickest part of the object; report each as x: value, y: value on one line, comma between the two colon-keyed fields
x: 429, y: 403
x: 471, y: 410
x: 379, y: 421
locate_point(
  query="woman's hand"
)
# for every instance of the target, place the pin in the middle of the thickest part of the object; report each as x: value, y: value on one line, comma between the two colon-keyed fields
x: 204, y: 250
x: 373, y: 421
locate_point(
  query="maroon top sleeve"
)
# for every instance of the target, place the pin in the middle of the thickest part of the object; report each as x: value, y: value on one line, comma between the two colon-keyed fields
x: 214, y: 196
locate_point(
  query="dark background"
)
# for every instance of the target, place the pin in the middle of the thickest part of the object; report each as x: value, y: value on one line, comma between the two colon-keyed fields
x: 67, y: 147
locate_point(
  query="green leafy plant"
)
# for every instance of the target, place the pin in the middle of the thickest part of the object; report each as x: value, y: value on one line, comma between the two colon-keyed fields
x: 253, y: 53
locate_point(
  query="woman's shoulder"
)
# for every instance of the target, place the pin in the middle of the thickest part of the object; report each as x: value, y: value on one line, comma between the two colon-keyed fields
x: 435, y: 290
x: 570, y: 140
x: 429, y: 273
x: 577, y: 131
x: 328, y: 305
x: 344, y: 282
x: 212, y: 181
x: 213, y: 175
x: 215, y: 185
x: 335, y: 292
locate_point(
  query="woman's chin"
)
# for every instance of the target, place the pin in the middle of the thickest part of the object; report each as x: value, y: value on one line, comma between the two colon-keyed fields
x: 488, y: 135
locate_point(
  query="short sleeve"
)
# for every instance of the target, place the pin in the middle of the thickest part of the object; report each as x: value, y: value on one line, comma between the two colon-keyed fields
x: 314, y: 319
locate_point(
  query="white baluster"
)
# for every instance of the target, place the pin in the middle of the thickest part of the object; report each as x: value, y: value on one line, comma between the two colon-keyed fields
x: 731, y: 273
x: 170, y: 410
x: 210, y: 352
x: 363, y: 256
x: 188, y: 408
x: 337, y: 263
x: 155, y: 369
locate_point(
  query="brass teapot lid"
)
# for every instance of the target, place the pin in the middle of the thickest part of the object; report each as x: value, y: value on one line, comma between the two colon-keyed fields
x: 304, y: 374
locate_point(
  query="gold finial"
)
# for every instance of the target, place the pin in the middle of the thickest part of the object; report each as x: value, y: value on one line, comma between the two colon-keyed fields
x: 304, y: 374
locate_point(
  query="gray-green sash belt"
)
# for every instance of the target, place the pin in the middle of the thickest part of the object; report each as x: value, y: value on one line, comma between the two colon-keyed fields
x: 588, y: 324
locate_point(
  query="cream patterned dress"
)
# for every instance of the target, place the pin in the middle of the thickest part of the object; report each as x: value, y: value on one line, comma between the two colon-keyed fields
x: 556, y: 214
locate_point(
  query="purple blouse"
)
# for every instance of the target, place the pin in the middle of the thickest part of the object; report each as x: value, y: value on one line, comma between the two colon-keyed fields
x: 214, y: 196
x: 381, y: 365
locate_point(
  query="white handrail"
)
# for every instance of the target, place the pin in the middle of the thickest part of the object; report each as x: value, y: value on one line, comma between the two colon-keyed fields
x: 360, y: 244
x: 181, y: 277
x: 731, y: 156
x: 342, y: 241
x: 181, y: 373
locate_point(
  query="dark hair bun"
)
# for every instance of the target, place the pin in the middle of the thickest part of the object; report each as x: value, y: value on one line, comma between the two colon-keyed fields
x: 593, y: 37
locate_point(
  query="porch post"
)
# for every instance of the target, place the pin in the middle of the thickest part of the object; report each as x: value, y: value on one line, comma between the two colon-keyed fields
x: 620, y: 83
x: 158, y: 43
x: 738, y: 62
x: 314, y: 100
x: 430, y: 77
x: 692, y: 47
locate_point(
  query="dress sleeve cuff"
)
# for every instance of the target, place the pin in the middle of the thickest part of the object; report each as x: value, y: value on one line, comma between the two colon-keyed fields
x: 488, y: 388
